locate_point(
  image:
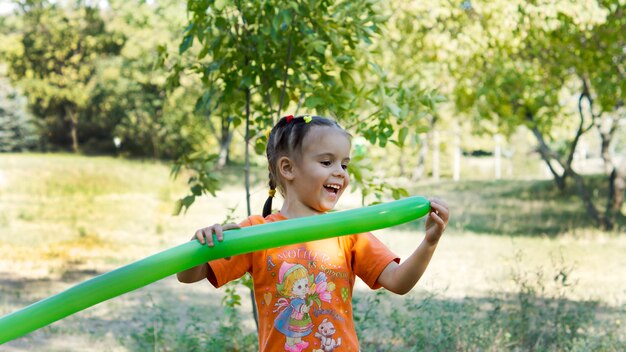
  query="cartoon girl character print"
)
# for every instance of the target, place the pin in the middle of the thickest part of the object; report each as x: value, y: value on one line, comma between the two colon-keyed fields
x: 299, y: 292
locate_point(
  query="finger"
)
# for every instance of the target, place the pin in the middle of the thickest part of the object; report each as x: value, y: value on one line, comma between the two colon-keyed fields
x: 199, y: 236
x: 438, y: 219
x: 438, y: 202
x: 219, y: 233
x: 208, y: 235
x: 440, y: 209
x: 230, y: 227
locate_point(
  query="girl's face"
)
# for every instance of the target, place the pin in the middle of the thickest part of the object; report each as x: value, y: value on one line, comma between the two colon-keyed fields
x: 320, y: 174
x: 300, y: 288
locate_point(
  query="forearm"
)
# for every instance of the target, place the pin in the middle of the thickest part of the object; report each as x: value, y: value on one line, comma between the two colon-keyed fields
x: 402, y: 278
x: 194, y: 274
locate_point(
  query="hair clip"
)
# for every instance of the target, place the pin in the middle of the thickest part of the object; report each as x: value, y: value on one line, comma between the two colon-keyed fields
x: 307, y: 118
x: 289, y: 118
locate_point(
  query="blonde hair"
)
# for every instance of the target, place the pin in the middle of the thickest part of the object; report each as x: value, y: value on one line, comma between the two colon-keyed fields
x: 289, y: 280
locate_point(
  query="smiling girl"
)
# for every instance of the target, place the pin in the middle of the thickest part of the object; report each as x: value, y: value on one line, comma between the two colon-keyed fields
x: 308, y: 158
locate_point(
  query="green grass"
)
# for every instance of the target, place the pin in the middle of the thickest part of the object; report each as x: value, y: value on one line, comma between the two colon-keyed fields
x: 520, y: 268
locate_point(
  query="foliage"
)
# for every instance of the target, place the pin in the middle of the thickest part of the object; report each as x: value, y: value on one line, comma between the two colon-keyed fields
x: 129, y: 100
x: 17, y: 129
x: 394, y: 74
x: 257, y: 60
x: 55, y: 62
x: 521, y: 71
x: 537, y: 316
x: 163, y: 334
x: 112, y: 88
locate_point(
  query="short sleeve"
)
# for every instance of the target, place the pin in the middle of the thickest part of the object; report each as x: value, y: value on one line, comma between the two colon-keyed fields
x: 223, y: 271
x: 370, y: 257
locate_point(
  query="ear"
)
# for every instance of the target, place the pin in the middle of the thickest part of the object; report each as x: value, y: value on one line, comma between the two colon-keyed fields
x: 286, y: 168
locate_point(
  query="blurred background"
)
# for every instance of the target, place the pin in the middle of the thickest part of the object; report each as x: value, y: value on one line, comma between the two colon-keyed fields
x: 126, y: 125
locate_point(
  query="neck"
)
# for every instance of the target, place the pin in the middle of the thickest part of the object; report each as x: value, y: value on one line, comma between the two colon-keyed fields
x: 295, y: 209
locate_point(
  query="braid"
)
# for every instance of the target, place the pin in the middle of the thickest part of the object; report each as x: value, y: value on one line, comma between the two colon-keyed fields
x: 267, y: 208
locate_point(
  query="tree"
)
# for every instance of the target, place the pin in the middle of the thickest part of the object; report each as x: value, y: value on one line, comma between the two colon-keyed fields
x: 17, y: 129
x: 257, y: 60
x: 519, y: 78
x: 55, y: 62
x: 129, y: 100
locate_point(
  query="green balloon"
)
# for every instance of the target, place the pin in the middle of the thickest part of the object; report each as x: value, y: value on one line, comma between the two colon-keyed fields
x: 192, y: 253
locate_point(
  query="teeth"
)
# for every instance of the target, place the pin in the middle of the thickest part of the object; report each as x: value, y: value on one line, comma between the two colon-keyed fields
x: 333, y: 186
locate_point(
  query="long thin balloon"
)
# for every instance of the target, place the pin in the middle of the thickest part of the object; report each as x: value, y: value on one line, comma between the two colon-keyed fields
x: 190, y: 254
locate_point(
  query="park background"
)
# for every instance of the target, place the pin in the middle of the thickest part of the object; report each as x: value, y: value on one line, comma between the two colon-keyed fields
x: 127, y: 125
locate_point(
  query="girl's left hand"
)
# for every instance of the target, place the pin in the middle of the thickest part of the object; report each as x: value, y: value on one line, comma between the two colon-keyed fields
x: 437, y: 220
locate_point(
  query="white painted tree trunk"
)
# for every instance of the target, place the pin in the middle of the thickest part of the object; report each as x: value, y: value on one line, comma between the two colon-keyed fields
x: 436, y: 173
x: 456, y: 167
x: 498, y: 156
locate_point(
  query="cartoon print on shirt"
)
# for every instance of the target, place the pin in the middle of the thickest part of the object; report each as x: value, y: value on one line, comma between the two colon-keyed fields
x: 325, y: 333
x: 270, y: 264
x: 294, y: 320
x: 299, y: 292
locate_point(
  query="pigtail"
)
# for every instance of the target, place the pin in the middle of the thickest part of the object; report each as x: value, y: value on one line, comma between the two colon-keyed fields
x: 267, y: 208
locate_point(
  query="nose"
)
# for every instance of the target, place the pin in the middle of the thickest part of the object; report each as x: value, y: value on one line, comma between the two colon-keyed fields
x: 339, y: 171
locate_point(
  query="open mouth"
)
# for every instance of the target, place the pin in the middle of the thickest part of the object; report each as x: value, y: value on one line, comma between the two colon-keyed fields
x: 332, y: 188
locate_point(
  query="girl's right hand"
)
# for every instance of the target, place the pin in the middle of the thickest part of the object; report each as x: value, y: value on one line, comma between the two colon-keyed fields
x: 205, y: 235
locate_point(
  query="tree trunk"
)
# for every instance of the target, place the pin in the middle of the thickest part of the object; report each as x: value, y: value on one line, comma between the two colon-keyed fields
x: 617, y: 187
x: 436, y: 170
x: 604, y: 222
x: 418, y: 172
x: 255, y: 314
x: 73, y: 118
x: 456, y: 169
x: 156, y: 150
x: 226, y: 136
x: 548, y: 155
x: 498, y: 156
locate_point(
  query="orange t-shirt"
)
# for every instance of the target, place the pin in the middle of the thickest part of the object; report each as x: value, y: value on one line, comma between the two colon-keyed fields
x: 304, y: 291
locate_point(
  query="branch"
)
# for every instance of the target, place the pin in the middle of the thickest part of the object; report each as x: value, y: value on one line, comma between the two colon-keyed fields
x: 286, y: 73
x: 544, y: 150
x: 299, y: 104
x: 247, y: 31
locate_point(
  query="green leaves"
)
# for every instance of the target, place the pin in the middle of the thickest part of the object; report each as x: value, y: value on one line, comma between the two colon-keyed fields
x: 287, y: 55
x: 201, y: 181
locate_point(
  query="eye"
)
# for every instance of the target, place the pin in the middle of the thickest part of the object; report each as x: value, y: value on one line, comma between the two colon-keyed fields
x: 326, y: 163
x: 344, y: 166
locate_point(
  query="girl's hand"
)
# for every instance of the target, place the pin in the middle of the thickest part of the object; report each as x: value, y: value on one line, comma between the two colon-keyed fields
x: 437, y: 220
x: 205, y: 235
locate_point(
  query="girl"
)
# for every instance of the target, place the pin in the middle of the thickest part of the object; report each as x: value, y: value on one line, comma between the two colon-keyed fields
x: 308, y: 159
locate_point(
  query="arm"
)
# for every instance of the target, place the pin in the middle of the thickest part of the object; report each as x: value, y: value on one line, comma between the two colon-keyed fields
x: 203, y: 236
x: 194, y: 274
x: 401, y: 278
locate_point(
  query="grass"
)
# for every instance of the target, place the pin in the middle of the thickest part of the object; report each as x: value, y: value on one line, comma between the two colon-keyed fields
x: 521, y: 267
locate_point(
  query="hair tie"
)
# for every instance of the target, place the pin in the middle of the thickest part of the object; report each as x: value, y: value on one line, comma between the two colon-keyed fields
x: 272, y: 192
x: 289, y: 118
x: 307, y: 118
